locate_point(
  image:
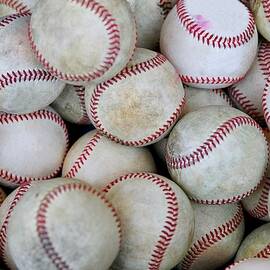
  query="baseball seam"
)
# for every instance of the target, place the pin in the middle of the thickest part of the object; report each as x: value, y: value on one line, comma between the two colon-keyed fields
x: 264, y: 253
x: 42, y: 114
x: 80, y: 161
x: 42, y: 216
x: 208, y: 146
x: 153, y: 63
x: 80, y: 90
x: 210, y: 239
x: 18, y: 6
x: 2, y: 196
x: 3, y: 231
x: 266, y: 8
x: 222, y: 94
x: 264, y: 102
x: 261, y: 209
x: 112, y: 53
x: 172, y: 216
x: 166, y: 6
x: 208, y: 38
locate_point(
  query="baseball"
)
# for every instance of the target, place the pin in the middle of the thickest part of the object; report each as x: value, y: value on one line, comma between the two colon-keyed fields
x: 261, y: 11
x: 218, y: 234
x: 77, y: 58
x: 210, y: 48
x: 161, y: 240
x: 71, y: 105
x: 9, y: 7
x: 256, y: 244
x: 94, y: 151
x: 127, y: 107
x: 63, y: 225
x: 247, y: 94
x: 258, y: 204
x: 197, y: 149
x: 25, y: 86
x: 251, y: 264
x: 33, y: 146
x: 266, y: 103
x: 149, y: 17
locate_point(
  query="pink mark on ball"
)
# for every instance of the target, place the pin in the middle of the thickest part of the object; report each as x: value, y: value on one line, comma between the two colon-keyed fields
x: 202, y: 22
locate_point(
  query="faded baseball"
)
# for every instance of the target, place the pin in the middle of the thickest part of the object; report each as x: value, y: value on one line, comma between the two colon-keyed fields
x: 251, y: 264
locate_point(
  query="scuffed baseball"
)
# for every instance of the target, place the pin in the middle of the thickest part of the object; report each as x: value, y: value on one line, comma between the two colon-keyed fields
x: 258, y: 204
x: 140, y: 105
x: 210, y: 46
x: 261, y: 12
x: 33, y: 146
x: 251, y: 264
x: 149, y: 17
x: 71, y: 105
x: 63, y: 224
x: 219, y: 230
x: 83, y: 53
x: 25, y: 86
x: 217, y: 155
x: 97, y: 160
x: 157, y: 221
x: 8, y: 7
x: 256, y: 244
x: 247, y: 94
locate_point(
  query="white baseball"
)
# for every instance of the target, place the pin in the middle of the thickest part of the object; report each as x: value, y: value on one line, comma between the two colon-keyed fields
x: 247, y: 94
x: 256, y: 244
x: 33, y: 146
x: 25, y: 86
x: 63, y: 225
x: 140, y: 105
x: 219, y: 230
x: 149, y: 17
x: 261, y: 11
x: 266, y: 103
x: 71, y: 105
x: 9, y: 7
x: 83, y: 53
x: 251, y: 264
x: 94, y: 151
x: 217, y: 155
x: 211, y: 43
x: 157, y: 221
x: 258, y: 204
x: 195, y: 99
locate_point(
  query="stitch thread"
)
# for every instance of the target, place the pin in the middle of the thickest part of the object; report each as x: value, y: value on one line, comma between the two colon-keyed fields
x: 266, y: 8
x: 42, y: 216
x: 80, y: 90
x: 11, y: 18
x: 166, y: 6
x: 113, y: 33
x: 222, y: 94
x: 80, y: 161
x: 18, y: 6
x: 265, y: 253
x: 125, y: 73
x: 264, y: 103
x: 210, y: 239
x: 261, y: 210
x: 209, y: 80
x: 170, y: 223
x: 3, y: 231
x: 208, y: 38
x: 41, y: 114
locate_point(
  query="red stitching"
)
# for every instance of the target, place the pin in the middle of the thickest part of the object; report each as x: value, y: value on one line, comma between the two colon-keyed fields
x: 41, y: 219
x: 210, y: 80
x: 210, y: 239
x: 209, y: 38
x: 261, y: 209
x: 155, y: 62
x: 2, y: 196
x: 264, y: 102
x: 166, y: 6
x: 266, y: 8
x: 18, y: 6
x: 222, y: 94
x: 240, y: 99
x: 113, y: 33
x: 170, y: 223
x: 24, y: 75
x: 11, y: 18
x: 265, y: 253
x: 41, y: 114
x: 3, y: 231
x: 183, y: 162
x: 88, y: 149
x: 80, y: 90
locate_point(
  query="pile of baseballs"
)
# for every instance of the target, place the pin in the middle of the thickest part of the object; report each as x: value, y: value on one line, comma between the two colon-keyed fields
x: 134, y: 134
